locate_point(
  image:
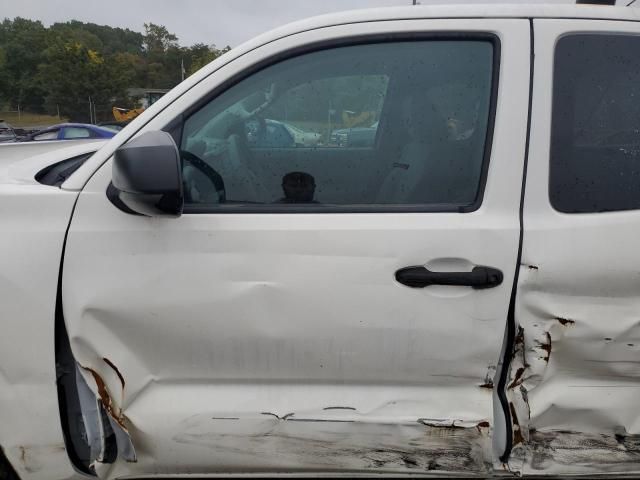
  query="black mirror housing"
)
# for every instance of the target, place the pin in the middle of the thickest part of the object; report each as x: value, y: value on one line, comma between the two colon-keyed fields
x: 147, y: 176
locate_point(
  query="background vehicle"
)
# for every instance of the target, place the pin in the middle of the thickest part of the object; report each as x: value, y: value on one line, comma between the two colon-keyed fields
x: 69, y: 131
x: 459, y: 297
x: 7, y: 134
x: 126, y: 114
x: 145, y: 98
x: 116, y: 126
x: 355, y: 136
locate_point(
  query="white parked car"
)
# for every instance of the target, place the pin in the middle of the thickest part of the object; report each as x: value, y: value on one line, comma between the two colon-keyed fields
x: 181, y: 303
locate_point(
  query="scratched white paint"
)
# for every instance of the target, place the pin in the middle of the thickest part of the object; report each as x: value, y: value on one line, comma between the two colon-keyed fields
x: 246, y: 315
x: 237, y: 359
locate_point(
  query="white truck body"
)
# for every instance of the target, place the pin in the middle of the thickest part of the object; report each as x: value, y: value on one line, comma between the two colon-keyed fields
x: 274, y: 337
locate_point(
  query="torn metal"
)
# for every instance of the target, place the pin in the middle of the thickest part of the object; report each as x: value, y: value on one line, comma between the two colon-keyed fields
x: 105, y: 421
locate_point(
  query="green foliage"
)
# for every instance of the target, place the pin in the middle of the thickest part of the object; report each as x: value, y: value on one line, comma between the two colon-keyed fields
x: 60, y: 67
x: 23, y: 42
x: 202, y: 54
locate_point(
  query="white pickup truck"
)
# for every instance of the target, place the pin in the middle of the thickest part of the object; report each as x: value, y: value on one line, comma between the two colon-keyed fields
x: 458, y: 295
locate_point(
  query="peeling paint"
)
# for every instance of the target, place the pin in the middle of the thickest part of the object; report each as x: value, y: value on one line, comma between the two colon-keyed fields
x: 114, y: 412
x: 115, y: 424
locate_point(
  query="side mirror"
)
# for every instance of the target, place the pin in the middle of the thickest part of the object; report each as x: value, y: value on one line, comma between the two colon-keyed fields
x: 147, y: 176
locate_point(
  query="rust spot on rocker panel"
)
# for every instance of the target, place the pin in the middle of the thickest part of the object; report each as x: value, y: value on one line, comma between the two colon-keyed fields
x: 488, y: 385
x: 105, y: 398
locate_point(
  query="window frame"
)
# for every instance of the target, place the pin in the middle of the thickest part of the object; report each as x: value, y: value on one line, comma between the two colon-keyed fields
x: 176, y: 126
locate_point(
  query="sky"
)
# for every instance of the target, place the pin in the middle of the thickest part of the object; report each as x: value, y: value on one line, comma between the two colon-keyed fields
x: 219, y: 22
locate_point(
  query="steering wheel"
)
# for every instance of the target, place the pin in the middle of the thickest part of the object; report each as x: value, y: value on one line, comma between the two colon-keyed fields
x: 208, y: 171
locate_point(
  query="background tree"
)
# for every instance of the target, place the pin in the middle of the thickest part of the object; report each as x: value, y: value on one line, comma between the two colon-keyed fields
x: 43, y: 69
x: 22, y: 42
x: 201, y: 54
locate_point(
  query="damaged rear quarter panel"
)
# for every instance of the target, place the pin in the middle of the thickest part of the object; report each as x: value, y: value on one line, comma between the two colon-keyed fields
x: 580, y: 355
x: 575, y: 377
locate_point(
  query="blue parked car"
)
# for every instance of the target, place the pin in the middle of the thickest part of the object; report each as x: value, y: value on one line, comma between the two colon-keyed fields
x: 69, y: 131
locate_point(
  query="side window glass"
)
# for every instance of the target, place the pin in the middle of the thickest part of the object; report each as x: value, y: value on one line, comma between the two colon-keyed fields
x: 401, y: 125
x: 75, y: 132
x: 595, y: 140
x: 53, y: 135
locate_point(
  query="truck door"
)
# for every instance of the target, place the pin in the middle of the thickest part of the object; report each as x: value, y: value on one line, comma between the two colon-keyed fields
x: 576, y: 368
x: 329, y: 307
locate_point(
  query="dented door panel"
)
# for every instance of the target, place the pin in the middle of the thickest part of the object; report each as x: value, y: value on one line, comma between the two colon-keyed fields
x: 242, y: 343
x: 575, y: 377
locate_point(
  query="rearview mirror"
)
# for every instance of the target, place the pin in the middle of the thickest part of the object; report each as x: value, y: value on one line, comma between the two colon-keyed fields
x: 147, y: 176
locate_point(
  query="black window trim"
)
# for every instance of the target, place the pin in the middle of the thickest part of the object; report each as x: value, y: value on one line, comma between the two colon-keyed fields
x: 176, y: 126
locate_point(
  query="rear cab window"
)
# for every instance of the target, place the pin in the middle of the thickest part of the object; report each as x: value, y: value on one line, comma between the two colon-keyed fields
x: 595, y: 141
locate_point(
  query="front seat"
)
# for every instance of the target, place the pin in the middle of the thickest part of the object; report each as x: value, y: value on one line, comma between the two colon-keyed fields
x: 418, y: 161
x: 241, y: 184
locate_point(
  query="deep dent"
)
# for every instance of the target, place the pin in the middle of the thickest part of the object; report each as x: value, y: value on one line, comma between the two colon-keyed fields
x: 573, y: 387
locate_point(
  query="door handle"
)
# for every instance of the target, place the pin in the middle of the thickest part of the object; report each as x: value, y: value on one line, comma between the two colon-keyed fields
x: 479, y: 277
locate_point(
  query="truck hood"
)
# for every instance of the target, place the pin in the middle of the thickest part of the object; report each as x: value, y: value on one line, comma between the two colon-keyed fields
x: 19, y: 165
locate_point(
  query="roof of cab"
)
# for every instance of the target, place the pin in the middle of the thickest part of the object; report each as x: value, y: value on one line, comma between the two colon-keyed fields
x: 494, y: 10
